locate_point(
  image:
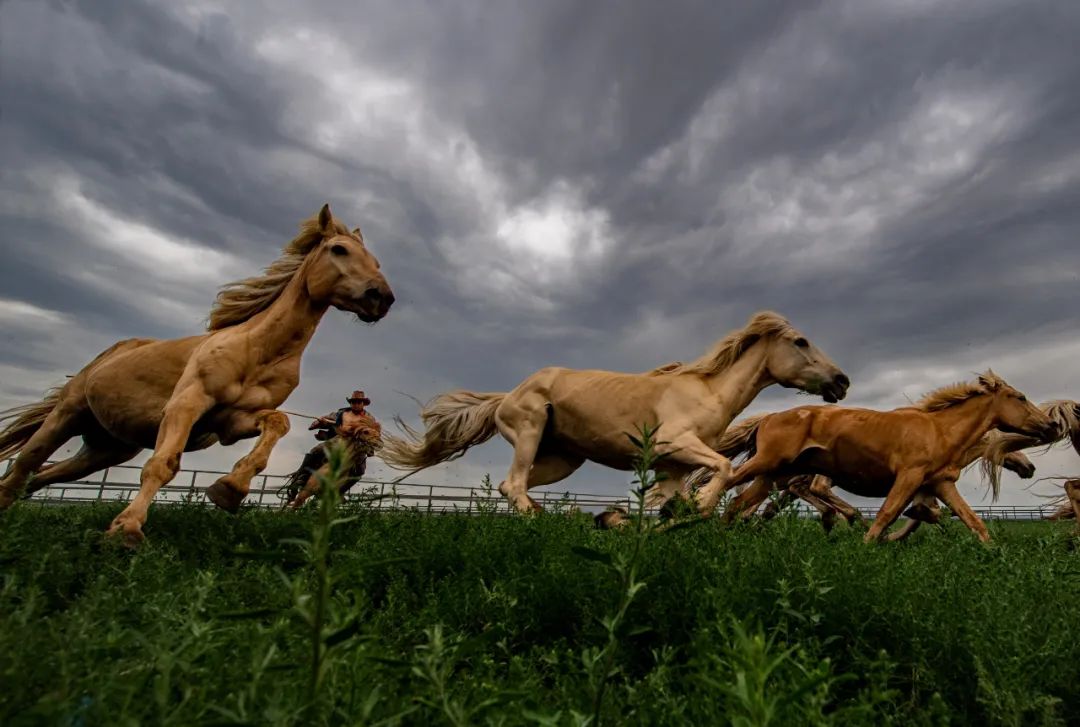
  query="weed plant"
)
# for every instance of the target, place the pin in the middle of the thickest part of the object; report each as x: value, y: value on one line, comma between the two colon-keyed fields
x: 345, y: 614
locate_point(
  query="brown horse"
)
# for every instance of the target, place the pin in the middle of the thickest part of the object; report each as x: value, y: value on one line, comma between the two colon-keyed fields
x: 891, y: 454
x: 818, y: 491
x: 558, y: 418
x: 186, y: 394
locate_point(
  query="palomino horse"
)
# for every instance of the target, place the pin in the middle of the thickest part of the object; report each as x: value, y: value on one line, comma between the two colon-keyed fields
x: 558, y: 418
x: 891, y: 454
x: 1067, y: 414
x: 186, y: 394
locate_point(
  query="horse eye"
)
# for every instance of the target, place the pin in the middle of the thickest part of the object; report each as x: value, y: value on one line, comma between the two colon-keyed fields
x: 1022, y: 397
x: 802, y: 343
x: 339, y: 250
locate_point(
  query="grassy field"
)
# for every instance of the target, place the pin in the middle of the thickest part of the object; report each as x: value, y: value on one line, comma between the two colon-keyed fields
x: 275, y: 618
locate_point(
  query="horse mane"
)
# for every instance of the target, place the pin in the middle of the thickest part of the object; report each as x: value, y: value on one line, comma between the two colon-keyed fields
x: 728, y: 350
x: 953, y: 394
x: 1066, y: 413
x: 238, y: 301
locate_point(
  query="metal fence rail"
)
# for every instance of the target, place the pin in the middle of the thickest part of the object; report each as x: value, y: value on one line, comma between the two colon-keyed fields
x: 120, y: 483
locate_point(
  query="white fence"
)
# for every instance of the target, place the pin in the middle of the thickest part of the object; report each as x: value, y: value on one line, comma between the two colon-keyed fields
x: 121, y: 483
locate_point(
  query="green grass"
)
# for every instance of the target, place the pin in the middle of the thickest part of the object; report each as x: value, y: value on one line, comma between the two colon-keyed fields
x: 486, y: 619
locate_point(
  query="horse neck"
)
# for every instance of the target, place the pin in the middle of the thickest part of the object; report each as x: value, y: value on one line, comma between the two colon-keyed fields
x: 285, y: 328
x: 965, y: 424
x: 738, y: 385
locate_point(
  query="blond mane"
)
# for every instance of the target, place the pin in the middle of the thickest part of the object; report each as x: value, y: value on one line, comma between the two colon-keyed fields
x: 1066, y: 414
x: 954, y: 394
x: 238, y: 301
x: 728, y: 350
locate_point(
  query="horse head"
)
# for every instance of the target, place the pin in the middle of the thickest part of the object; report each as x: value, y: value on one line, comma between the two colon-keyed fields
x: 343, y: 273
x: 1019, y: 463
x: 794, y: 362
x: 1014, y: 413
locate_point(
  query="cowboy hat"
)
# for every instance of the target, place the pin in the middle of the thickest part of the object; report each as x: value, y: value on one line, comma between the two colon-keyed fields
x: 358, y: 395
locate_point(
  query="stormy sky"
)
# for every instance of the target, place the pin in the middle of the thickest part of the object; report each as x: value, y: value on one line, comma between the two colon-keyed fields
x: 589, y: 184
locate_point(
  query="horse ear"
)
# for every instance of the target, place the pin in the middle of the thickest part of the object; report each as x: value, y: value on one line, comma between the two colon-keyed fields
x: 356, y: 231
x: 989, y: 381
x: 325, y: 218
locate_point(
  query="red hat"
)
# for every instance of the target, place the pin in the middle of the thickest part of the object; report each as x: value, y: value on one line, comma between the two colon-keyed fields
x: 358, y: 395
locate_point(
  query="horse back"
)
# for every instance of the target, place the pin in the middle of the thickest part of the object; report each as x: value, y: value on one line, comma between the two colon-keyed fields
x: 127, y: 391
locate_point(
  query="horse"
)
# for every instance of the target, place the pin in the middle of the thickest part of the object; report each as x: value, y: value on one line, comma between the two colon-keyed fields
x: 892, y: 454
x: 1067, y: 414
x: 819, y: 491
x: 186, y: 394
x: 558, y: 418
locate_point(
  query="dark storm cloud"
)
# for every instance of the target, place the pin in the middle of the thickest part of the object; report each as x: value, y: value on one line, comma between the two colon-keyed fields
x: 585, y: 184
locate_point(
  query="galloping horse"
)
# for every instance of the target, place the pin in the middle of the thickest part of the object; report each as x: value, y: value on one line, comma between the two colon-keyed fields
x: 1067, y: 414
x: 817, y: 491
x: 891, y: 454
x: 186, y: 394
x: 558, y: 418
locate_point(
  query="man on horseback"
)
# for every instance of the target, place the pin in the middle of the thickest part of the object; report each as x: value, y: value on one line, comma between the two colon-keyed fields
x: 356, y: 428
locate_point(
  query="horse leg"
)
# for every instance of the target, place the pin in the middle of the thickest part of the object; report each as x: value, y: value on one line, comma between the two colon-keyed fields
x: 549, y: 468
x: 181, y: 413
x: 686, y: 449
x: 758, y: 465
x: 231, y: 489
x: 821, y: 487
x: 906, y: 485
x: 947, y: 492
x: 748, y: 501
x: 92, y: 457
x: 785, y: 498
x: 672, y: 484
x: 905, y: 530
x: 522, y: 426
x: 62, y: 423
x: 1072, y: 491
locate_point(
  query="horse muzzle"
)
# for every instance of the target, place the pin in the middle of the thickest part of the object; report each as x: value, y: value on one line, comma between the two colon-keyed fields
x: 835, y: 390
x: 374, y: 304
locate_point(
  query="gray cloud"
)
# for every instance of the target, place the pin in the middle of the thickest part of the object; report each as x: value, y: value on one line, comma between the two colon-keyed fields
x: 585, y: 184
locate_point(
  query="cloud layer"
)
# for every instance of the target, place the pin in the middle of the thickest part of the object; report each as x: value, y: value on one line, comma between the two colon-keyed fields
x: 597, y: 184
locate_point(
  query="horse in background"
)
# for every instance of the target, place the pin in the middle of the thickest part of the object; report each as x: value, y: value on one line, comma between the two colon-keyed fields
x: 186, y: 394
x: 558, y: 418
x: 1067, y: 413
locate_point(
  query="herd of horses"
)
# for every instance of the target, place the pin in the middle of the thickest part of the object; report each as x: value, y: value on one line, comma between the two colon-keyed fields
x: 225, y: 385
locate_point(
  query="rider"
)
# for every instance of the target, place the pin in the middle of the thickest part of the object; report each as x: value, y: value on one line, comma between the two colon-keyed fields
x: 356, y: 428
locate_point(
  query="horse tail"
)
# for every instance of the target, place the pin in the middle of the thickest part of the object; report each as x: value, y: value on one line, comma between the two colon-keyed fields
x: 737, y: 439
x: 24, y: 422
x: 454, y: 421
x: 740, y: 438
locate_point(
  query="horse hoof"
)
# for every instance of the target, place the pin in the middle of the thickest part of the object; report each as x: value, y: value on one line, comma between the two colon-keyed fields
x: 129, y: 532
x: 224, y: 497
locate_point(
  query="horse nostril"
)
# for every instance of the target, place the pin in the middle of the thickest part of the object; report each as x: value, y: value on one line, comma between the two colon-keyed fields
x: 373, y: 295
x: 843, y: 380
x: 388, y: 299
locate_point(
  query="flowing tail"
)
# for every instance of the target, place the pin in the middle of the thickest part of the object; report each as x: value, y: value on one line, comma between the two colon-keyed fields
x: 24, y: 421
x: 454, y: 422
x: 737, y: 439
